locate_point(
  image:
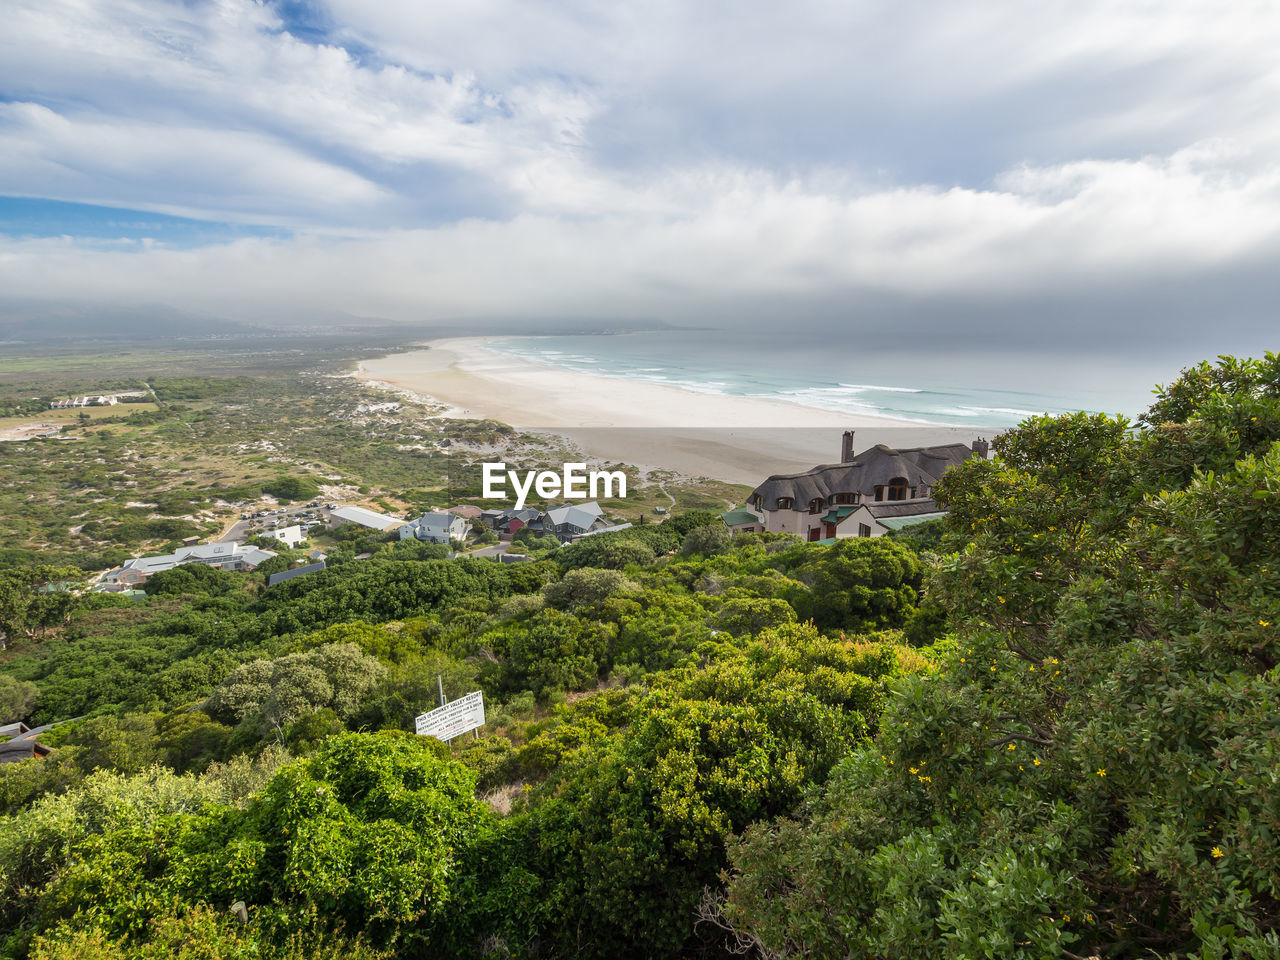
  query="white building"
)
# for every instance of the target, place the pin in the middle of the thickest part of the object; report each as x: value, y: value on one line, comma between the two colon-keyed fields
x: 363, y: 517
x: 436, y: 528
x: 290, y: 536
x: 225, y: 556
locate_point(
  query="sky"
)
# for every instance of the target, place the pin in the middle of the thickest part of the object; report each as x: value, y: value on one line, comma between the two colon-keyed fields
x: 1093, y: 179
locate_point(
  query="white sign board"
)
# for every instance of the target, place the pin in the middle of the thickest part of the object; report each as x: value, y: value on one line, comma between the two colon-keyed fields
x: 453, y: 719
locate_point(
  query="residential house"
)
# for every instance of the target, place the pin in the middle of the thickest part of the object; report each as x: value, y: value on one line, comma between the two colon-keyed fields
x: 363, y: 517
x: 284, y: 575
x: 436, y: 528
x: 512, y: 521
x: 742, y: 521
x: 22, y: 743
x: 230, y: 555
x: 571, y: 520
x: 290, y: 536
x: 823, y: 503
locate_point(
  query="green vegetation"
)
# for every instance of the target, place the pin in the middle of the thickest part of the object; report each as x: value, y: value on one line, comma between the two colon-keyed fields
x: 1092, y: 770
x: 139, y: 478
x: 1047, y: 729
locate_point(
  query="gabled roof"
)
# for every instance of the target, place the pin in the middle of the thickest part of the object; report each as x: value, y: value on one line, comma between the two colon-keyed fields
x: 580, y: 515
x: 366, y: 518
x: 897, y: 523
x: 201, y: 553
x: 921, y: 466
x: 284, y: 575
x: 437, y: 521
x: 903, y: 508
x: 837, y: 514
x: 614, y: 528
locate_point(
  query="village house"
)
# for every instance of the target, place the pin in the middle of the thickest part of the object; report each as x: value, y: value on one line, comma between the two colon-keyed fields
x: 363, y: 517
x: 290, y: 536
x: 571, y: 520
x: 436, y: 528
x: 864, y: 495
x: 233, y: 556
x: 510, y: 521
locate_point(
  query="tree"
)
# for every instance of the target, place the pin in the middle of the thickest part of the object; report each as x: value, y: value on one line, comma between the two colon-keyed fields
x: 18, y: 699
x: 706, y: 540
x: 587, y: 587
x: 35, y: 598
x: 1091, y: 771
x: 273, y: 693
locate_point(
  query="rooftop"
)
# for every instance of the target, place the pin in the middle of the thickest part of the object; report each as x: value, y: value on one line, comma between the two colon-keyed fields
x: 365, y: 517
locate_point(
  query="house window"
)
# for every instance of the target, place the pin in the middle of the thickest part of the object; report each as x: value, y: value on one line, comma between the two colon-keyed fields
x: 879, y: 492
x: 845, y: 498
x: 784, y: 503
x: 864, y: 530
x: 815, y: 505
x: 897, y: 489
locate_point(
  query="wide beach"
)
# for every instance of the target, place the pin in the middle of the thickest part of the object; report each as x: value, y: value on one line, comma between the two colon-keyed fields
x: 650, y: 425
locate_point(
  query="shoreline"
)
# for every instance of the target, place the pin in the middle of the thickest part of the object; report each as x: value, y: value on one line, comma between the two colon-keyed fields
x: 652, y: 426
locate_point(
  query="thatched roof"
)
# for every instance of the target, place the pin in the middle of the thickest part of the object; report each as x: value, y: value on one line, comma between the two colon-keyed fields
x: 877, y: 466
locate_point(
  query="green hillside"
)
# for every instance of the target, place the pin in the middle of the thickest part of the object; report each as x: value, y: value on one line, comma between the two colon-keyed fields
x: 1051, y: 732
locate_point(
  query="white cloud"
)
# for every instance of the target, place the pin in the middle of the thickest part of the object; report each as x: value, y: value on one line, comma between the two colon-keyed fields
x: 587, y: 158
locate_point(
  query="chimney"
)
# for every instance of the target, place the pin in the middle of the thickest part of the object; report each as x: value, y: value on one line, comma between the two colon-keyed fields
x: 980, y: 448
x: 846, y: 447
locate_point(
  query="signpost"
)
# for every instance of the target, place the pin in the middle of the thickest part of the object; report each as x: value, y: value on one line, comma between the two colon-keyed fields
x: 453, y: 719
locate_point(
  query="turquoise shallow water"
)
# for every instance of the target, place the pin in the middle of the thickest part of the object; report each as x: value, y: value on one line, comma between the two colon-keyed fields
x: 972, y: 392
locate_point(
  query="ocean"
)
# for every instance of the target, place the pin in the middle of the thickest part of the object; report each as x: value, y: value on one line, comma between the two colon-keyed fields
x: 976, y: 391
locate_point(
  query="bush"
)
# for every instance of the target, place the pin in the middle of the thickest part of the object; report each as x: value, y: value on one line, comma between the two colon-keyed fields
x: 705, y: 541
x: 286, y: 488
x: 18, y: 699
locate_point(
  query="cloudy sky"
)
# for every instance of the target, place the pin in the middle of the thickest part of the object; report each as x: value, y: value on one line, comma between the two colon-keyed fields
x: 1075, y: 176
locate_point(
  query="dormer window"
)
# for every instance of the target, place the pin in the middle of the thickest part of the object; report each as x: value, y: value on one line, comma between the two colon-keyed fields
x: 845, y: 498
x: 815, y: 505
x: 784, y: 503
x: 897, y: 489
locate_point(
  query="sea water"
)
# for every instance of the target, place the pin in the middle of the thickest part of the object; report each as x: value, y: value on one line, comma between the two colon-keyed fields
x: 970, y: 390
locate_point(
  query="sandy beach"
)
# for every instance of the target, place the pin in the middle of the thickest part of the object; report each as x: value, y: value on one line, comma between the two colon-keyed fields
x: 650, y: 425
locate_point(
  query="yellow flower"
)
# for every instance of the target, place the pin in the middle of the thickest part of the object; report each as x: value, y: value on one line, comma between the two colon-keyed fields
x: 1217, y: 852
x: 1102, y: 771
x: 1000, y: 598
x: 1264, y: 623
x: 1012, y: 747
x: 1036, y: 761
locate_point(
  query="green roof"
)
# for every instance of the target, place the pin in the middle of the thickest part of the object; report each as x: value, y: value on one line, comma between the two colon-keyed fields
x: 741, y: 515
x: 897, y: 523
x: 838, y: 514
